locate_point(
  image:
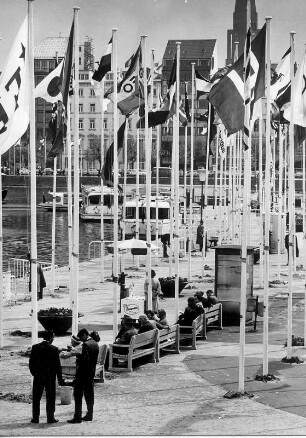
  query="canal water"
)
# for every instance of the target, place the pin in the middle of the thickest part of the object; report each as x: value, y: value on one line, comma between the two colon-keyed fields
x: 17, y: 230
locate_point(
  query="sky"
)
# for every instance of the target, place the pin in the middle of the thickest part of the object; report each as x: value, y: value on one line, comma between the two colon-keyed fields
x: 160, y: 20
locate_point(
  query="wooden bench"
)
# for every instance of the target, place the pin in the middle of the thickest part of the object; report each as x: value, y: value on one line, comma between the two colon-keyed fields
x: 192, y: 331
x: 69, y: 365
x: 141, y: 345
x: 168, y: 337
x: 212, y: 315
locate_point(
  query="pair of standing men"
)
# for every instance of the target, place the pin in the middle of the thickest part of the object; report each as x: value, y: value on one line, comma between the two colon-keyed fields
x: 45, y: 366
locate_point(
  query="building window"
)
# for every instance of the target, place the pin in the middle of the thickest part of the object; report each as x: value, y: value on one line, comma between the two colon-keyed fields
x: 80, y: 48
x: 80, y: 108
x: 92, y: 92
x: 37, y: 65
x: 81, y: 126
x: 92, y: 107
x: 154, y: 92
x: 44, y: 65
x: 80, y: 61
x: 92, y: 124
x: 105, y: 124
x: 81, y: 92
x: 51, y: 65
x: 83, y: 76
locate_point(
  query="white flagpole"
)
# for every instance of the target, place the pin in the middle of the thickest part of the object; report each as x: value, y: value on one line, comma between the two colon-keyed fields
x: 291, y: 199
x: 137, y: 194
x: 216, y: 171
x: 206, y: 191
x: 260, y: 200
x: 53, y: 225
x: 176, y: 149
x: 102, y: 183
x: 124, y: 188
x: 280, y: 200
x: 115, y: 100
x: 191, y: 168
x: 76, y: 178
x: 69, y: 195
x: 185, y: 174
x: 304, y: 231
x: 33, y: 258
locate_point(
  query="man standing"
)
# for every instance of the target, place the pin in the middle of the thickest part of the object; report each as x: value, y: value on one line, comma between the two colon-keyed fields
x: 44, y: 366
x: 84, y: 378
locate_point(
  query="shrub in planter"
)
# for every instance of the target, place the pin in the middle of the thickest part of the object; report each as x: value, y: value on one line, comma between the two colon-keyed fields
x: 168, y: 285
x: 59, y: 320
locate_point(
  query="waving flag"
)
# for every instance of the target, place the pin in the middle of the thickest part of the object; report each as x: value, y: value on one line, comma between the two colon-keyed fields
x: 202, y: 85
x: 299, y: 98
x: 105, y: 66
x: 65, y: 86
x: 15, y: 91
x: 166, y: 110
x: 247, y: 89
x: 227, y: 95
x: 130, y: 88
x: 281, y: 83
x: 48, y: 88
x: 107, y: 170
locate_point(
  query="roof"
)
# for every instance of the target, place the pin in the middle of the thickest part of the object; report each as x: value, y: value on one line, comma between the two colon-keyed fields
x: 47, y: 48
x: 191, y: 49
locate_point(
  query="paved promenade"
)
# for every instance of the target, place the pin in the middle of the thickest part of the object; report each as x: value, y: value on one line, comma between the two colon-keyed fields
x: 183, y: 394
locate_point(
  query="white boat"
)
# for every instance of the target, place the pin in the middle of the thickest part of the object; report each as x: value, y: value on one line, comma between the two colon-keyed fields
x: 164, y: 210
x: 91, y: 204
x: 61, y: 201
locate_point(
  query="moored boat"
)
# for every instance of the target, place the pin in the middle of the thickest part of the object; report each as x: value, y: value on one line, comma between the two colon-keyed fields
x: 61, y: 201
x: 91, y: 204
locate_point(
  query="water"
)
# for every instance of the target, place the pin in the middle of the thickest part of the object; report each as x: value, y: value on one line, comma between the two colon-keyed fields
x: 17, y: 236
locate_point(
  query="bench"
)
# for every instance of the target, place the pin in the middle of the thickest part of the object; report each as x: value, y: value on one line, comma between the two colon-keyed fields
x: 144, y: 344
x: 168, y: 337
x: 69, y: 365
x: 212, y: 315
x: 192, y: 331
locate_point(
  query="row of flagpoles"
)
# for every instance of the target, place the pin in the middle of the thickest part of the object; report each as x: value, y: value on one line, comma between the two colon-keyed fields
x: 235, y: 96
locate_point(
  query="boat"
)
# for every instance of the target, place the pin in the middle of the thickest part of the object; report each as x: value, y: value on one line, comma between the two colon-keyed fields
x: 61, y: 201
x: 164, y: 214
x: 91, y: 204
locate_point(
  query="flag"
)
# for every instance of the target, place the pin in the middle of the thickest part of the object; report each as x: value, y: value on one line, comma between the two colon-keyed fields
x: 247, y: 89
x: 65, y: 86
x: 280, y: 88
x: 107, y: 170
x: 130, y: 88
x: 53, y: 121
x: 213, y: 128
x: 166, y: 110
x: 227, y: 95
x: 187, y: 107
x: 222, y: 149
x: 15, y: 91
x: 202, y: 85
x: 105, y: 66
x: 48, y: 88
x: 299, y: 98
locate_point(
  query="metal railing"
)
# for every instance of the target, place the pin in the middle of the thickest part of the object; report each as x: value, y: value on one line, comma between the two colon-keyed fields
x: 94, y: 248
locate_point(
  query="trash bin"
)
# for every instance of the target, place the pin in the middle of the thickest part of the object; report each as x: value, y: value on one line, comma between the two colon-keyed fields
x: 65, y: 393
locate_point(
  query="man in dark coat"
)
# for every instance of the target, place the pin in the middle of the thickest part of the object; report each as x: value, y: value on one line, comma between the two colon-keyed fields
x: 45, y: 365
x: 84, y: 378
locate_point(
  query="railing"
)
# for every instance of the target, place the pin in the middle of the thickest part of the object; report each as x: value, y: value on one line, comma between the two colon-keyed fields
x: 17, y: 278
x: 94, y: 248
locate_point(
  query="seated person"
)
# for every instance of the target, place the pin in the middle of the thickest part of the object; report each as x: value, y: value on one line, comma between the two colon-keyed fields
x: 212, y: 299
x: 163, y: 322
x: 144, y: 324
x: 123, y: 337
x: 199, y: 296
x: 191, y: 312
x: 152, y: 317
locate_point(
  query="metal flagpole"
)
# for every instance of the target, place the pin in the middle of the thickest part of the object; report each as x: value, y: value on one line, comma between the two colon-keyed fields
x: 53, y: 224
x: 148, y: 173
x: 291, y: 200
x: 102, y: 183
x: 1, y: 264
x: 115, y: 100
x: 260, y: 200
x: 206, y: 192
x: 176, y: 149
x: 33, y: 258
x: 69, y: 195
x: 185, y: 177
x: 76, y: 178
x: 191, y: 168
x: 137, y: 192
x: 280, y: 200
x: 124, y: 189
x: 304, y: 232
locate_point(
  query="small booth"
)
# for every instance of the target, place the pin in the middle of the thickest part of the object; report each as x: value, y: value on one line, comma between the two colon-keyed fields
x: 274, y: 232
x: 132, y: 306
x: 228, y: 281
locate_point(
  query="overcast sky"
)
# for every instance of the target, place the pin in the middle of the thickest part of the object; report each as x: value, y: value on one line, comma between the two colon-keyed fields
x: 160, y: 20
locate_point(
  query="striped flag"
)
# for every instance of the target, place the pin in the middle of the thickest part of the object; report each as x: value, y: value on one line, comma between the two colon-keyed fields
x: 281, y: 83
x: 247, y: 90
x: 299, y: 97
x: 227, y: 95
x: 202, y: 85
x: 105, y: 66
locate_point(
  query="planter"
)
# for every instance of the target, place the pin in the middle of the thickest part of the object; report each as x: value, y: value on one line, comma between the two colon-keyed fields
x: 58, y: 324
x: 168, y: 287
